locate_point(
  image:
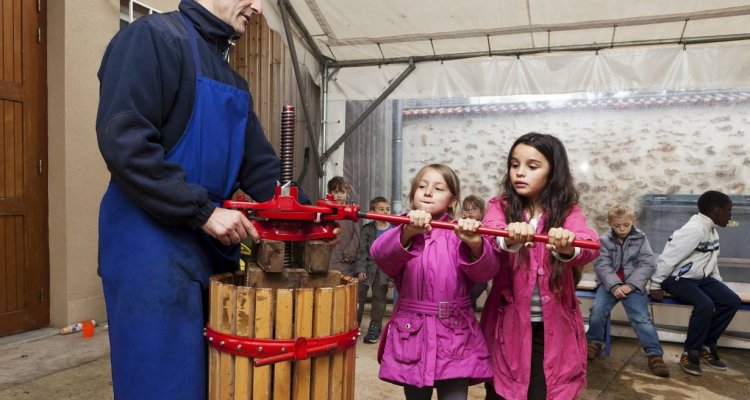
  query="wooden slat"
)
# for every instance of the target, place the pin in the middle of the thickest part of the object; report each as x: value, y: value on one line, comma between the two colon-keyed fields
x: 9, y: 150
x: 14, y: 254
x: 282, y: 372
x: 340, y: 319
x: 18, y: 150
x: 264, y: 109
x: 303, y: 320
x: 4, y: 173
x: 322, y: 327
x: 5, y: 264
x: 214, y: 319
x: 263, y: 330
x: 350, y: 355
x: 17, y: 59
x: 245, y: 326
x: 6, y: 59
x: 228, y: 302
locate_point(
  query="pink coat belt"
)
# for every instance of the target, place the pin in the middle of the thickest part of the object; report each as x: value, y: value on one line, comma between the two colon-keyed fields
x: 440, y: 309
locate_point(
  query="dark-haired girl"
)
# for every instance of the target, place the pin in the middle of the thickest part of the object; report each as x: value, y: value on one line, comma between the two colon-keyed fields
x: 531, y: 320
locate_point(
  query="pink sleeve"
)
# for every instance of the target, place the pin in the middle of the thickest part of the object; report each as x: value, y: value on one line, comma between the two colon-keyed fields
x: 576, y: 222
x: 483, y: 268
x: 495, y: 215
x: 390, y: 255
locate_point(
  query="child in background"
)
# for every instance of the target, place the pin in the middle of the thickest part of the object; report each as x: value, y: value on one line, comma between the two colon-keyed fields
x: 531, y: 319
x: 368, y: 273
x: 345, y: 252
x: 433, y: 339
x: 688, y: 269
x: 624, y: 266
x: 473, y: 207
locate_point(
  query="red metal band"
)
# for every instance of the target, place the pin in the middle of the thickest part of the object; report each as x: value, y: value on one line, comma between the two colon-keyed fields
x: 269, y: 351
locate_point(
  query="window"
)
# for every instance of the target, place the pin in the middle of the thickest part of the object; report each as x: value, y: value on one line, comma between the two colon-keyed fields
x: 130, y: 10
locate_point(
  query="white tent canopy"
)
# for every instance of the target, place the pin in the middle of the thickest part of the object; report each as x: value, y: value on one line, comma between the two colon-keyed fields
x: 366, y: 31
x: 520, y: 46
x: 422, y: 49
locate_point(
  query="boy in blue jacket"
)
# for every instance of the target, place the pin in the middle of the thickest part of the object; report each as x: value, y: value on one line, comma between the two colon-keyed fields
x: 623, y: 268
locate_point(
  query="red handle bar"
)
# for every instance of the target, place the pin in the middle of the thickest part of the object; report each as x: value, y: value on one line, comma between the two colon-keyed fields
x: 400, y: 219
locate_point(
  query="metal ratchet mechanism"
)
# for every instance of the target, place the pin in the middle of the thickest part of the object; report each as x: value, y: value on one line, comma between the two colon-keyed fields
x: 284, y: 220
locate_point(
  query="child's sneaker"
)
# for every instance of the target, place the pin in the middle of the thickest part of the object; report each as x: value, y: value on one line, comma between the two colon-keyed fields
x: 657, y: 366
x: 373, y: 334
x: 689, y: 362
x: 592, y: 350
x: 711, y: 357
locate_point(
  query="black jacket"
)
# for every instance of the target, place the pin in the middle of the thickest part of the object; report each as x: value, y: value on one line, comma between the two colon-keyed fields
x: 146, y: 94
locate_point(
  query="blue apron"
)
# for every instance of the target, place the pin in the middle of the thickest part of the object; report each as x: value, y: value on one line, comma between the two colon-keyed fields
x: 155, y: 276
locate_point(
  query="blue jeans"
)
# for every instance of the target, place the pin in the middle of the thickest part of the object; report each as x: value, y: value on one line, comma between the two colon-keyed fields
x: 714, y: 306
x: 636, y: 307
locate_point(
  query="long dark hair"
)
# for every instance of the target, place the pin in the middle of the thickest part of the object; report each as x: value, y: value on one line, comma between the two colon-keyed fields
x: 557, y: 198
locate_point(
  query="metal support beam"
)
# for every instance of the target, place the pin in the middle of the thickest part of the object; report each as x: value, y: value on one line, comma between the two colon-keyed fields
x: 368, y: 111
x: 305, y: 33
x: 301, y: 87
x: 537, y: 50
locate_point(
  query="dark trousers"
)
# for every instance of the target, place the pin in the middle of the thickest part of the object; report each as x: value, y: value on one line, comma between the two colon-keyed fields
x: 714, y: 306
x: 537, y: 383
x: 449, y: 389
x: 475, y: 291
x: 378, y: 302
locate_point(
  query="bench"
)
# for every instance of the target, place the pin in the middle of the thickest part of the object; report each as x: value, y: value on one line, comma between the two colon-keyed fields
x: 587, y: 289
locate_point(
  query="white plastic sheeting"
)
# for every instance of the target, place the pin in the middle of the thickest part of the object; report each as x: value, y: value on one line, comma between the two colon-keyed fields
x: 718, y: 65
x: 369, y: 30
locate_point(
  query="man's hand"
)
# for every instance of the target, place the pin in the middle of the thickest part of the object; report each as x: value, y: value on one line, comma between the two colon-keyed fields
x: 230, y: 227
x: 362, y: 276
x: 657, y: 294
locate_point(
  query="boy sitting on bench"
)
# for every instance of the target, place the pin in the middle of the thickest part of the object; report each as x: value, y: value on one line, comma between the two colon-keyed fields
x: 688, y: 269
x: 623, y: 268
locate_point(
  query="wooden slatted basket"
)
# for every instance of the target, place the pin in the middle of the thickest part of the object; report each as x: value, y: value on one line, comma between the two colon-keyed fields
x: 285, y: 305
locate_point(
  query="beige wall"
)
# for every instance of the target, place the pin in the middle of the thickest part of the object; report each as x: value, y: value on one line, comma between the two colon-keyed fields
x: 77, y: 33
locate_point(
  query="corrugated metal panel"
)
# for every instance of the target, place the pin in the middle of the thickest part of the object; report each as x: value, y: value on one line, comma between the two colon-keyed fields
x: 367, y: 153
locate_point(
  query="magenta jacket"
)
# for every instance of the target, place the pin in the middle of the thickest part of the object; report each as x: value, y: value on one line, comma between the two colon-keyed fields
x: 433, y: 333
x: 506, y: 318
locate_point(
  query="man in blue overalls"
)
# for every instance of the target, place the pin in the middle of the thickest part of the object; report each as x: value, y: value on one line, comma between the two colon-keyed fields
x: 177, y: 131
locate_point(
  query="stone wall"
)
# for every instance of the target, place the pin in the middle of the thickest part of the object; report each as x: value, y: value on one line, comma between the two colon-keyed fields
x: 620, y: 148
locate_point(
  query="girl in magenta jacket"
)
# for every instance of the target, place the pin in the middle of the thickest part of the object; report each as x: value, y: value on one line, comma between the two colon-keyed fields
x: 433, y: 339
x: 531, y: 319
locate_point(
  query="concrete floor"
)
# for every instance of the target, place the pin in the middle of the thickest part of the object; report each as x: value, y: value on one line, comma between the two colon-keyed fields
x: 44, y: 365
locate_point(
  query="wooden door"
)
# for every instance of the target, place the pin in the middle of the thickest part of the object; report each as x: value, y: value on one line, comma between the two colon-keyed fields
x: 24, y: 246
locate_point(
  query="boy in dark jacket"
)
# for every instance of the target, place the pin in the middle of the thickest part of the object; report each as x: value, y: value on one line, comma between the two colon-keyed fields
x: 368, y: 273
x: 623, y: 268
x: 345, y: 252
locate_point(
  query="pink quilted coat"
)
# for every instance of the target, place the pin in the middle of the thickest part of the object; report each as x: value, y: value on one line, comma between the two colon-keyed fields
x: 433, y: 333
x: 506, y: 318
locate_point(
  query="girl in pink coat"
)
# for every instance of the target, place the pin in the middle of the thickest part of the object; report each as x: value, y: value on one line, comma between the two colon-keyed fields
x: 433, y: 339
x: 531, y: 319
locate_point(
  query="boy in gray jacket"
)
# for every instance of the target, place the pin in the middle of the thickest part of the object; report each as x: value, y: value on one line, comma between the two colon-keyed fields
x: 368, y: 273
x: 624, y: 265
x: 688, y: 269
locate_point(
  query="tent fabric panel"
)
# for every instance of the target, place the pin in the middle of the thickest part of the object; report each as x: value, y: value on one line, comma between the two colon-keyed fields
x: 631, y: 69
